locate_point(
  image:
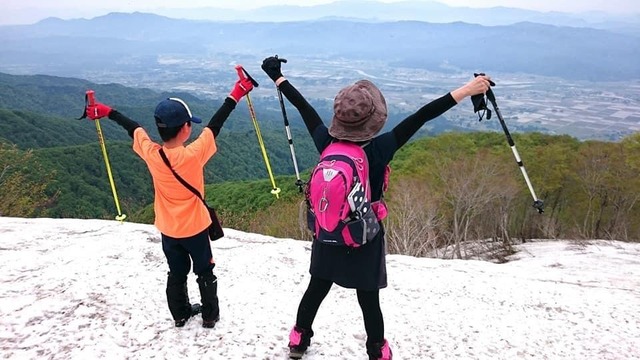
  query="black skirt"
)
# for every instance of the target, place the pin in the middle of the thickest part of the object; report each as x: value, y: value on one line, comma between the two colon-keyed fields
x: 362, y: 268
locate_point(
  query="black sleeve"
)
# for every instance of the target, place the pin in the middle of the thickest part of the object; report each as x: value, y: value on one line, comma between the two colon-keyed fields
x: 409, y: 126
x: 124, y: 121
x: 218, y: 119
x: 309, y: 115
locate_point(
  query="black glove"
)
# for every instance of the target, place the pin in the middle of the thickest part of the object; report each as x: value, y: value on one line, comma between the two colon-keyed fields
x: 271, y: 66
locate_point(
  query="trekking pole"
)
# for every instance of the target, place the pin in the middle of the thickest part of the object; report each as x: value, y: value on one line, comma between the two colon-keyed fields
x: 299, y: 182
x: 537, y: 203
x: 243, y: 74
x: 90, y: 95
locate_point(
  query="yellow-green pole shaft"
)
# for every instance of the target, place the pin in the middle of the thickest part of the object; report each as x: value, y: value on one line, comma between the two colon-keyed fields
x: 103, y: 146
x: 276, y: 190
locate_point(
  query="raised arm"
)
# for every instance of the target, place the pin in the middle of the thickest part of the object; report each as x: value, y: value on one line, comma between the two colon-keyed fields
x: 272, y: 66
x: 409, y: 126
x: 96, y: 110
x: 241, y: 88
x: 220, y: 116
x: 124, y: 121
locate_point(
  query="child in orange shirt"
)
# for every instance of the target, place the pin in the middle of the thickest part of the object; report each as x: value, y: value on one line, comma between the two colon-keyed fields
x: 181, y: 217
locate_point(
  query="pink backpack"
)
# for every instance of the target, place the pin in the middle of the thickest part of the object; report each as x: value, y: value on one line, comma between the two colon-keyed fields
x: 340, y: 211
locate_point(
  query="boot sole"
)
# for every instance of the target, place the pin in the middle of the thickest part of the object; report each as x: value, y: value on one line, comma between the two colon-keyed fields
x: 293, y: 354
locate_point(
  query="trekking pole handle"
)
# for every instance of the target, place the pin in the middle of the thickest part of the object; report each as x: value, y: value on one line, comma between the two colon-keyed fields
x: 91, y: 97
x: 240, y: 71
x: 489, y: 93
x: 243, y: 74
x: 282, y: 60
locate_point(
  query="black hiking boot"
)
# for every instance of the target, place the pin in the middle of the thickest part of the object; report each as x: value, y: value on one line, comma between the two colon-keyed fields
x: 178, y: 300
x: 208, y: 284
x: 210, y: 324
x: 299, y: 341
x: 195, y: 310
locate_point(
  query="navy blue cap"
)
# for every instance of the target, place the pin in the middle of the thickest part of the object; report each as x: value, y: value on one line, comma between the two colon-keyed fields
x: 173, y: 112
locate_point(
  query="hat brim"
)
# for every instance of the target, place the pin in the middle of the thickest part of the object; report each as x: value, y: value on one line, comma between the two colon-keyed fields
x: 196, y: 120
x: 371, y: 127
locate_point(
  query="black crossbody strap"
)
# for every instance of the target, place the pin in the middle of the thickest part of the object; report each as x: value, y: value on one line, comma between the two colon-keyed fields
x: 180, y: 179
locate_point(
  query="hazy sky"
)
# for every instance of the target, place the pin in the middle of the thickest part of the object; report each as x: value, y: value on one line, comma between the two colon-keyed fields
x: 26, y: 11
x: 618, y: 6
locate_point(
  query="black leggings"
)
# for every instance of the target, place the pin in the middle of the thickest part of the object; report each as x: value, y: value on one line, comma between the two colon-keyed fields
x: 369, y: 303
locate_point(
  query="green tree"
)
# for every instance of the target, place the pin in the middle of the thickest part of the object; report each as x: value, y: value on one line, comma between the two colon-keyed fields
x: 22, y: 183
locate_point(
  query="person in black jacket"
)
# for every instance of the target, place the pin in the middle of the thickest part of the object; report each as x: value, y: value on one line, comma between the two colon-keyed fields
x: 360, y: 112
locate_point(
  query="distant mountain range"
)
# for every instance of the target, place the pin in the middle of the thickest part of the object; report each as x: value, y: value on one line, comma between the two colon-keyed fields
x: 370, y: 10
x: 428, y: 11
x: 122, y: 41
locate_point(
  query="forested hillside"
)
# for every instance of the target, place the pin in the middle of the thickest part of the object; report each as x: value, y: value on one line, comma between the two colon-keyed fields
x: 38, y: 122
x: 39, y: 115
x: 81, y: 187
x: 63, y: 99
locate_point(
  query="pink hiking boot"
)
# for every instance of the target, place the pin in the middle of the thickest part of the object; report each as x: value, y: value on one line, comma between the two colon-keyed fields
x: 299, y: 341
x: 379, y: 351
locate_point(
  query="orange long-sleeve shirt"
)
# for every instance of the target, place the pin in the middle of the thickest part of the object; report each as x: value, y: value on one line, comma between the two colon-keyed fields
x: 178, y: 212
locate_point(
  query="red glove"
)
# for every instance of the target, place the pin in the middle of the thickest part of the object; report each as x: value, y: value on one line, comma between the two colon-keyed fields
x: 242, y: 88
x: 97, y: 111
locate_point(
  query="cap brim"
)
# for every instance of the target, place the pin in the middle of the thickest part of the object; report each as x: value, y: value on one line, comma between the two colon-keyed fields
x: 196, y: 120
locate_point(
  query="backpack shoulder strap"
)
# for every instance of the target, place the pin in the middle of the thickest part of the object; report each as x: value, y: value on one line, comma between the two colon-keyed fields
x: 180, y: 179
